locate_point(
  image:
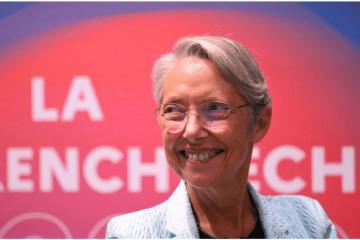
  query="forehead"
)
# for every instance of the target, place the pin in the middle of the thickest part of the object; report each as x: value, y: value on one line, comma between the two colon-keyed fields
x: 195, y: 79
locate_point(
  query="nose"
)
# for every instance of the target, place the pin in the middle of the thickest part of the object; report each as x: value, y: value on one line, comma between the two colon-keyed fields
x: 194, y: 129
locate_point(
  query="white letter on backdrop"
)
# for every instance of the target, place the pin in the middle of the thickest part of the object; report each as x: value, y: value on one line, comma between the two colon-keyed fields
x: 157, y: 169
x: 67, y: 174
x: 344, y: 169
x: 39, y: 112
x: 254, y: 170
x: 82, y: 97
x: 92, y: 160
x: 17, y: 168
x: 271, y: 171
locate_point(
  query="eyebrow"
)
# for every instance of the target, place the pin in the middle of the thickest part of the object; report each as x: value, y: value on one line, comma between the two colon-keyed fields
x: 175, y: 99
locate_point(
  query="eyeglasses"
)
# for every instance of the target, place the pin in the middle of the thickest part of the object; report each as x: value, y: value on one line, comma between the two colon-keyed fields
x: 211, y: 114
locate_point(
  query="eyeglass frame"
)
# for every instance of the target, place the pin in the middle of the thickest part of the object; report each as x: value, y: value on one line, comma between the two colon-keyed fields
x: 186, y: 113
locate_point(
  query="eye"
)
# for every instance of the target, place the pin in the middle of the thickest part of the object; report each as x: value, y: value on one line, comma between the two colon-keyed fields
x: 215, y: 111
x: 174, y: 112
x: 216, y: 106
x: 172, y: 108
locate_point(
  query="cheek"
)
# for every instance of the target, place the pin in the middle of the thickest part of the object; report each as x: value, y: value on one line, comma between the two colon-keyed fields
x: 232, y: 134
x: 169, y: 140
x: 171, y: 154
x: 235, y: 138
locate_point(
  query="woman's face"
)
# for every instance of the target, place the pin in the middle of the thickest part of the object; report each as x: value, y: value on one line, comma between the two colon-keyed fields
x: 225, y: 148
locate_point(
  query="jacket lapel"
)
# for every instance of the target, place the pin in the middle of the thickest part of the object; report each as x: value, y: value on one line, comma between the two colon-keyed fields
x: 180, y: 221
x: 274, y: 216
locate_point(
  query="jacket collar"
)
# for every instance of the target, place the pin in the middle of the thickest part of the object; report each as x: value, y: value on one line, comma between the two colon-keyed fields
x: 180, y: 220
x: 273, y: 215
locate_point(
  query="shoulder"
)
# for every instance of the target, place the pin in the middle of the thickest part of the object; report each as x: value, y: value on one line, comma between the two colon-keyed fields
x: 168, y: 219
x: 296, y: 203
x: 303, y: 213
x: 146, y: 223
x: 304, y: 207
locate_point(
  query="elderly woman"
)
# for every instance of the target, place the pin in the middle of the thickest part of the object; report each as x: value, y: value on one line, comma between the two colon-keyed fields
x: 214, y: 106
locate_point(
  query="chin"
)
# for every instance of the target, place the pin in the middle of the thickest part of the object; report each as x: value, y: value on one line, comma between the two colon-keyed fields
x: 199, y: 182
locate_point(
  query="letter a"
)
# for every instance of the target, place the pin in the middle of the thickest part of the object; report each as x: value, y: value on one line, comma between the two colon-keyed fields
x: 82, y: 97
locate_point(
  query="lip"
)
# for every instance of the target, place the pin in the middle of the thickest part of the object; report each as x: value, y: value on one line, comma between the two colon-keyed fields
x: 200, y: 155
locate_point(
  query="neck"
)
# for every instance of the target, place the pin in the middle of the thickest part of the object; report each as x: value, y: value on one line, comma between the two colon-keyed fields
x: 224, y: 211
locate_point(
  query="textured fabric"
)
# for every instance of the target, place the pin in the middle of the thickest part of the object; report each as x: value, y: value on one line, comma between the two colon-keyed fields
x: 281, y: 217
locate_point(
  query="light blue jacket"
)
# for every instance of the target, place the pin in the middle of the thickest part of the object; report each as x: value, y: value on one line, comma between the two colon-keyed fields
x: 281, y: 217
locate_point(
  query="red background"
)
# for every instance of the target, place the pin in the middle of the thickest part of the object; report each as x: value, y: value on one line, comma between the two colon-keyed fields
x: 312, y: 73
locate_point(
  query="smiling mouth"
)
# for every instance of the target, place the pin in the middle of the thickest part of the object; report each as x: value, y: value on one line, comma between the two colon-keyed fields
x: 201, y: 156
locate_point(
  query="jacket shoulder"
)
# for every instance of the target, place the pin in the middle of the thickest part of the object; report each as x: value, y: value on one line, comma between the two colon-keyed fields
x: 146, y: 223
x: 306, y: 213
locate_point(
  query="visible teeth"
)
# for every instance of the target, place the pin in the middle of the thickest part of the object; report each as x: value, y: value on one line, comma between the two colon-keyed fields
x: 200, y: 156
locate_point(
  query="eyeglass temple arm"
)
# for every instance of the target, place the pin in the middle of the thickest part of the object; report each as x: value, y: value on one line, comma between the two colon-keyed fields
x: 240, y: 106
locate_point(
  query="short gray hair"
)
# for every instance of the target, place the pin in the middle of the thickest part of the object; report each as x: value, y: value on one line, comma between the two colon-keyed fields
x: 231, y: 59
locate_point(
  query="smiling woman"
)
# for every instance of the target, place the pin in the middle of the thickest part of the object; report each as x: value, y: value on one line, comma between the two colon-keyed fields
x: 213, y: 107
x: 227, y: 138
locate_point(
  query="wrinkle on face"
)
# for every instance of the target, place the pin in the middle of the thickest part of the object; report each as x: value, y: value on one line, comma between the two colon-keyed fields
x: 190, y: 82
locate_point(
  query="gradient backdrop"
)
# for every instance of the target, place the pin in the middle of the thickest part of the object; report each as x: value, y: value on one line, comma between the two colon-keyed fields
x: 78, y: 138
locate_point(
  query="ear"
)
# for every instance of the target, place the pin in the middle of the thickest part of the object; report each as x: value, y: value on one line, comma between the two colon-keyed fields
x: 262, y: 124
